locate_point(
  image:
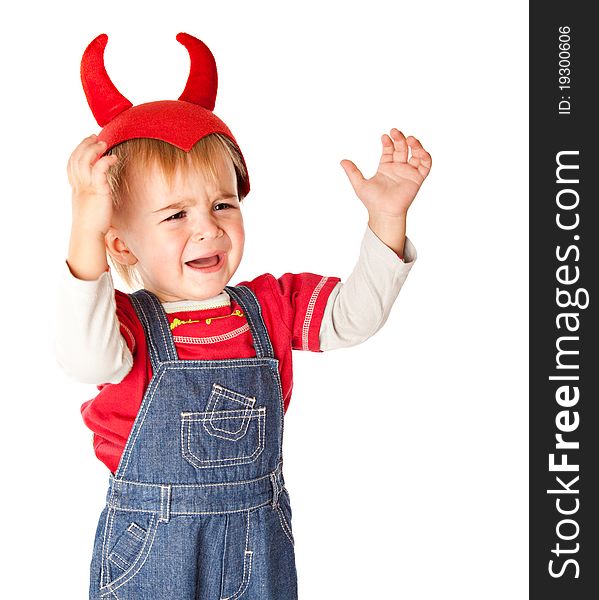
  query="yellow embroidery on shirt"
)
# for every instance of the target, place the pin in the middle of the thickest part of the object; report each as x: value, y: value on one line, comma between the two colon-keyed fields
x: 176, y: 322
x: 235, y: 313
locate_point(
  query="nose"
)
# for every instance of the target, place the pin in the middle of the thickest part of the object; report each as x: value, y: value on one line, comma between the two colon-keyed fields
x: 206, y: 227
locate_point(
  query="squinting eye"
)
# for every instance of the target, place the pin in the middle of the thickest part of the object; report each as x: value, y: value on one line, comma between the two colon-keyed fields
x: 225, y: 204
x: 175, y: 216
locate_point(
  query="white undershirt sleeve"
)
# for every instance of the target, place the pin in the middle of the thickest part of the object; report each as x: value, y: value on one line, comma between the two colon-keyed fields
x: 358, y: 308
x: 88, y: 344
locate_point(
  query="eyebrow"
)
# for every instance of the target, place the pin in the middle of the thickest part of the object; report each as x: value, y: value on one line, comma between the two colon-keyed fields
x: 184, y: 203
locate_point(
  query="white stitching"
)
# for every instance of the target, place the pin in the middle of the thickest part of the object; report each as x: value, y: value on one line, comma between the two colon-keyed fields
x: 195, y: 485
x: 192, y: 513
x: 176, y: 365
x: 135, y: 568
x: 247, y: 557
x: 219, y: 390
x: 212, y: 339
x: 260, y: 418
x: 124, y: 566
x: 107, y: 538
x: 106, y: 521
x: 256, y: 338
x: 250, y: 300
x: 131, y: 336
x: 130, y: 446
x: 165, y: 501
x: 260, y: 334
x: 223, y: 562
x: 159, y: 321
x: 310, y: 311
x: 239, y: 460
x: 285, y: 525
x: 141, y: 314
x: 224, y: 414
x: 234, y: 436
x: 263, y: 329
x: 229, y: 435
x: 219, y: 364
x: 133, y: 529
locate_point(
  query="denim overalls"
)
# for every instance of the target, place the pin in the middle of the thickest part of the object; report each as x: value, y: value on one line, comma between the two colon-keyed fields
x: 197, y: 508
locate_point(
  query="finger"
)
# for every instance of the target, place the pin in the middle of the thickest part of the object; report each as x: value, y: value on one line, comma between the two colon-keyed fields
x: 418, y: 151
x: 101, y: 167
x: 388, y: 149
x: 400, y: 146
x: 80, y: 161
x: 80, y: 148
x: 423, y: 161
x: 90, y: 154
x: 84, y: 145
x: 90, y: 139
x: 353, y: 173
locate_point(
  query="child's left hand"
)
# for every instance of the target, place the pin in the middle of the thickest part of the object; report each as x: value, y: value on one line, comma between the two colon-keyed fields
x: 390, y: 192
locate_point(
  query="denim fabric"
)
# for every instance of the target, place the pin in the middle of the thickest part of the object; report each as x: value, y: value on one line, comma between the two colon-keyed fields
x: 197, y: 508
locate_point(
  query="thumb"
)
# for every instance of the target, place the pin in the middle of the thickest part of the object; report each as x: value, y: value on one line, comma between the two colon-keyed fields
x: 353, y: 173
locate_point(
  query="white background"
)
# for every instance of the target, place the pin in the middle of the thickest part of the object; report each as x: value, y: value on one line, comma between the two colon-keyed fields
x: 406, y: 456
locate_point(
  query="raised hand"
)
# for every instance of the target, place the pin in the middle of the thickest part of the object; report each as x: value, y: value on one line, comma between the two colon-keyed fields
x: 394, y: 186
x: 92, y: 201
x: 92, y: 208
x: 390, y: 192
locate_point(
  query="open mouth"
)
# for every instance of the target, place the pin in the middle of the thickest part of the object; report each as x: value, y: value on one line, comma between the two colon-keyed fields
x: 208, y: 264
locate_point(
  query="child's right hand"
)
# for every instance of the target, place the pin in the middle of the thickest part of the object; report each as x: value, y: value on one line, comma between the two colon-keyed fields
x: 92, y: 201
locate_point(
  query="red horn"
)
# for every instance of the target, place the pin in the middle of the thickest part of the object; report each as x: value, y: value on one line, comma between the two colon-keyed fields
x: 102, y: 96
x: 202, y: 82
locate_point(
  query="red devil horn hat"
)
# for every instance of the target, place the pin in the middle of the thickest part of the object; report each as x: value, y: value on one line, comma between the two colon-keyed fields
x: 179, y: 122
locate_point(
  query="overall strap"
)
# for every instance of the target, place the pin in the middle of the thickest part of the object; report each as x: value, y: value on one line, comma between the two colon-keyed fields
x: 253, y: 313
x: 156, y: 327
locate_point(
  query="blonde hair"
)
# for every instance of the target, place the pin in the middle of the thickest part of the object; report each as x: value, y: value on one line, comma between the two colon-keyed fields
x: 141, y: 153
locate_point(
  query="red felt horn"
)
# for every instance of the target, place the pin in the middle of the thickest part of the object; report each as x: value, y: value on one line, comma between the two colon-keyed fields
x: 202, y: 82
x: 105, y: 101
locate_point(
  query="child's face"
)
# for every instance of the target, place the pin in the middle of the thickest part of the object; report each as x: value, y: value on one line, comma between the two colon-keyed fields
x: 204, y: 221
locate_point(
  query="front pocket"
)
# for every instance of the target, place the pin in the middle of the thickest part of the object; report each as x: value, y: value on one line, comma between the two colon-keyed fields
x: 222, y: 398
x: 284, y: 513
x: 222, y: 438
x: 128, y: 547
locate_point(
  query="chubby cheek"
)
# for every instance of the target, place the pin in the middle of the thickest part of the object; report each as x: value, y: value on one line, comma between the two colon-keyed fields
x: 238, y: 241
x: 166, y: 253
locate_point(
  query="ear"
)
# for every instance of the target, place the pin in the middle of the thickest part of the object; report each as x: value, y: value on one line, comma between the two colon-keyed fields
x: 117, y: 248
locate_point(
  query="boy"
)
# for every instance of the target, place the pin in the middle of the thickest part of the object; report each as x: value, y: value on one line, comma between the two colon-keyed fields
x: 195, y: 375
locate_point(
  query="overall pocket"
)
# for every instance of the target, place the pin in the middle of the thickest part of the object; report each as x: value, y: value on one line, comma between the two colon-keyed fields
x: 229, y: 432
x: 284, y: 512
x: 128, y: 546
